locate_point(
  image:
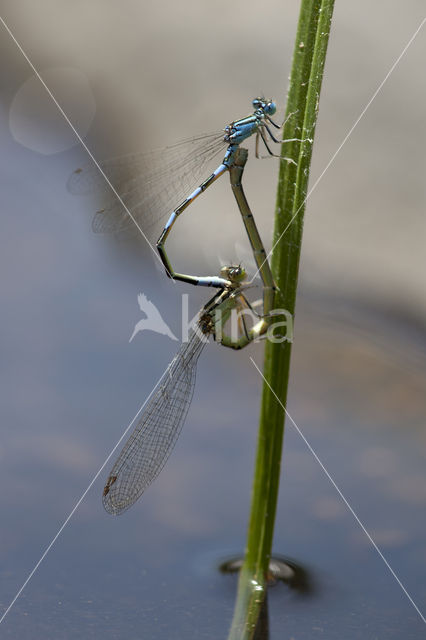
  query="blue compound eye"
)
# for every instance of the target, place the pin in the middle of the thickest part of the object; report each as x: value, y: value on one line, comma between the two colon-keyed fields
x: 270, y: 108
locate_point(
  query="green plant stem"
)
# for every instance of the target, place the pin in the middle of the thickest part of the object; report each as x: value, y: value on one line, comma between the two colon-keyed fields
x: 301, y: 116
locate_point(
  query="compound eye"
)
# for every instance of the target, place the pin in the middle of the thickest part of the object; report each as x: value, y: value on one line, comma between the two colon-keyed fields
x: 239, y: 273
x: 271, y: 108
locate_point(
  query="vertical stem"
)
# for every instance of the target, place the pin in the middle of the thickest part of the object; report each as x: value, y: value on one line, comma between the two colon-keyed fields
x: 302, y: 110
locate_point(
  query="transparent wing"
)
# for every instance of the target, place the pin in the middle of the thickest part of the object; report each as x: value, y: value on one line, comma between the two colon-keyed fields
x: 151, y: 184
x: 148, y: 448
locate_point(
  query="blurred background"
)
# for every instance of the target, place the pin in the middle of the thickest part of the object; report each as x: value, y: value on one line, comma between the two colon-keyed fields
x: 133, y: 76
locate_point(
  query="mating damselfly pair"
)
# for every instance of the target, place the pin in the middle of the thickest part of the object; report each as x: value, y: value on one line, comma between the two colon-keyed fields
x: 148, y: 187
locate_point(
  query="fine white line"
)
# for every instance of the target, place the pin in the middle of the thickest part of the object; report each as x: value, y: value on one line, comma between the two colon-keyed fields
x: 341, y: 494
x: 333, y: 157
x: 79, y: 501
x: 77, y: 135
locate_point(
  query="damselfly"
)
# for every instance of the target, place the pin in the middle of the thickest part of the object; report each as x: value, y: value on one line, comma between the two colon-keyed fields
x: 150, y: 185
x: 148, y: 448
x: 152, y: 441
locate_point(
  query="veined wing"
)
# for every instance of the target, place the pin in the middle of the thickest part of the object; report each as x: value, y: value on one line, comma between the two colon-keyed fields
x: 148, y: 448
x: 150, y: 184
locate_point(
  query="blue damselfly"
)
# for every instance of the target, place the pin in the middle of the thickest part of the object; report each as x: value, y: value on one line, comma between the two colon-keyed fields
x: 150, y: 184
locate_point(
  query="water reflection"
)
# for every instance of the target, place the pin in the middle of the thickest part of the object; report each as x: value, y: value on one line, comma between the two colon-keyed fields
x: 262, y: 628
x: 281, y: 569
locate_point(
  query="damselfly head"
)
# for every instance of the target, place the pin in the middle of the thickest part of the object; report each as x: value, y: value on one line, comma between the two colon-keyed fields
x: 267, y: 106
x: 233, y: 272
x: 229, y: 130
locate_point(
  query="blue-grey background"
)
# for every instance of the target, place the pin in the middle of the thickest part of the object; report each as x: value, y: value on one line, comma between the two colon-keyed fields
x: 137, y: 75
